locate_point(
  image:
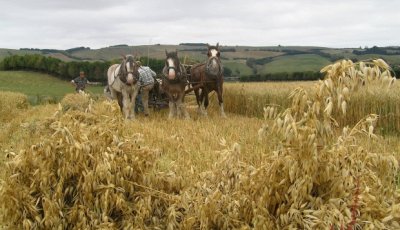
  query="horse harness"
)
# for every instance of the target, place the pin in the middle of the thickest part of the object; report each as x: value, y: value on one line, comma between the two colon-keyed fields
x: 208, y: 65
x: 122, y: 76
x: 179, y: 78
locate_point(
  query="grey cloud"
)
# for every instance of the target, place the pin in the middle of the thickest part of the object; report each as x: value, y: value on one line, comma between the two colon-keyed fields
x: 66, y: 24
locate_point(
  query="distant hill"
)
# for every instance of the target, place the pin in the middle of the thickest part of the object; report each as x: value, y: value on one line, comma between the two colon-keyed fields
x: 241, y: 60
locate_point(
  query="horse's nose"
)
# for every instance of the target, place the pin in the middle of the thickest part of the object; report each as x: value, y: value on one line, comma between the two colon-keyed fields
x: 171, y: 74
x: 129, y: 79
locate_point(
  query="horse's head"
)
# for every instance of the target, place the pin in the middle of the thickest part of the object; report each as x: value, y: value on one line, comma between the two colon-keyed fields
x: 213, y: 51
x: 213, y: 64
x: 172, y: 65
x: 129, y: 73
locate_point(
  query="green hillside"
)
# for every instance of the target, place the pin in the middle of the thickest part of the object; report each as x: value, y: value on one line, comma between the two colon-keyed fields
x: 39, y: 87
x: 295, y: 63
x: 238, y: 67
x: 264, y: 59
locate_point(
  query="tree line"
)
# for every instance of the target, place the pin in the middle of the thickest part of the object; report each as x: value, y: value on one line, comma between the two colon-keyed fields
x: 95, y: 71
x: 378, y: 50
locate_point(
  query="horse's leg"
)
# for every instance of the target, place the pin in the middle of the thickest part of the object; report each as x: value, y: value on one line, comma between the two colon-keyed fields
x: 172, y: 107
x: 126, y: 101
x: 172, y: 110
x: 220, y: 101
x: 197, y: 94
x: 180, y: 104
x: 132, y: 102
x: 204, y: 100
x: 119, y: 99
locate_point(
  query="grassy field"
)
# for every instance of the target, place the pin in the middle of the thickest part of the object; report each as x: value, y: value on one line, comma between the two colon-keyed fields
x: 238, y: 67
x: 293, y: 63
x: 243, y: 172
x: 39, y: 87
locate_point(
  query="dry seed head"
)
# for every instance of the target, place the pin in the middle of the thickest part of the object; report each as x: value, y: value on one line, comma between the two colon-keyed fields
x: 279, y: 122
x: 271, y: 113
x: 266, y: 112
x: 370, y: 131
x: 328, y: 83
x: 345, y: 92
x: 344, y: 107
x: 392, y: 82
x: 316, y: 107
x: 321, y: 89
x: 340, y: 99
x: 328, y: 109
x: 311, y: 139
x: 261, y: 132
x: 326, y: 68
x: 362, y: 65
x: 381, y: 63
x: 345, y: 131
x: 222, y: 142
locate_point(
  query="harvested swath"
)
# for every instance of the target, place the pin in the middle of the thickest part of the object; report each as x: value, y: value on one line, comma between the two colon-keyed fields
x: 84, y: 176
x: 76, y: 101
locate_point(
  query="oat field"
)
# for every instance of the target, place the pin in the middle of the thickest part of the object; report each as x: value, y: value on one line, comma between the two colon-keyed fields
x: 317, y: 155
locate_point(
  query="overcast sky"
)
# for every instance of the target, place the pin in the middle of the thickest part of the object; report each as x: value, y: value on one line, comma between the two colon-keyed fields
x: 63, y: 24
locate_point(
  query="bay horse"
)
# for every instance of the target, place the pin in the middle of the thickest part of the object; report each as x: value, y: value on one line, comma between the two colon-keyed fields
x: 124, y: 85
x: 173, y: 83
x: 208, y: 77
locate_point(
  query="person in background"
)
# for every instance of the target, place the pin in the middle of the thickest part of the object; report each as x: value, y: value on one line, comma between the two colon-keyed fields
x: 80, y: 82
x: 146, y: 81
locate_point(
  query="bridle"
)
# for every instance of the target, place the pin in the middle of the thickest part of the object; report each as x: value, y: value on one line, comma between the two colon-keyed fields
x: 176, y: 68
x: 123, y: 74
x: 209, y: 61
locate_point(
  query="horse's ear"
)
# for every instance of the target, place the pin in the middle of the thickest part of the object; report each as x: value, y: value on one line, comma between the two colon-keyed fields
x: 217, y: 45
x: 123, y: 57
x: 208, y: 46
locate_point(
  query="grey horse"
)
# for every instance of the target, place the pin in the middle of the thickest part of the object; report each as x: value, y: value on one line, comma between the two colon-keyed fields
x: 123, y: 84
